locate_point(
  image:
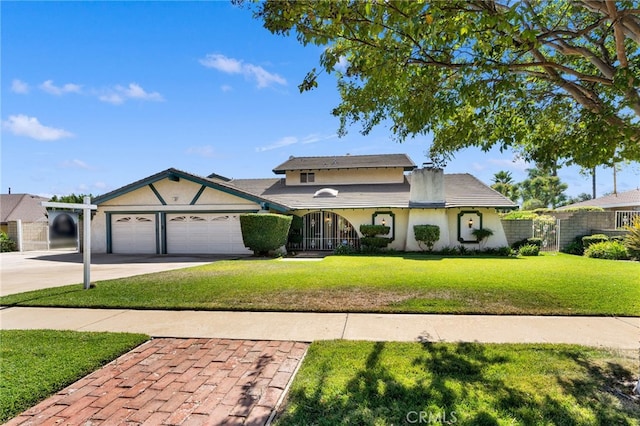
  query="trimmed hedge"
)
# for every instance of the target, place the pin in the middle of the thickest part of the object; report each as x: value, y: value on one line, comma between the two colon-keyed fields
x: 264, y: 232
x: 427, y: 234
x: 374, y: 230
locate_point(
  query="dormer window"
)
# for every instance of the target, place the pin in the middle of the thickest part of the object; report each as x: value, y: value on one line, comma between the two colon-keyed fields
x: 306, y: 177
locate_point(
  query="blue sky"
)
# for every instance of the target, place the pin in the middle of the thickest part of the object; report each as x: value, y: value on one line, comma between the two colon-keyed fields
x: 96, y: 95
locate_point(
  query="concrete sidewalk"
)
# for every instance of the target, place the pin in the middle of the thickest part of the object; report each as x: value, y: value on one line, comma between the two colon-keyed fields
x: 608, y: 332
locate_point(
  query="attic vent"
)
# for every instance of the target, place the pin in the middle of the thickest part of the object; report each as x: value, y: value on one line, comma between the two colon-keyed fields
x: 326, y: 192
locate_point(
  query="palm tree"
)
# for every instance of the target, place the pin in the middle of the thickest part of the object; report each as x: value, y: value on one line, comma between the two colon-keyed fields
x: 503, y: 183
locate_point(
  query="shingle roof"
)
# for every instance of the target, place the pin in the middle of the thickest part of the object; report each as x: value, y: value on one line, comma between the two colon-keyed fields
x: 621, y: 199
x: 25, y: 207
x: 346, y: 162
x: 461, y: 190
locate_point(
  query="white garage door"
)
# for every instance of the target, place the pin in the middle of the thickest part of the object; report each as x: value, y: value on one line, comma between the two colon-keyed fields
x: 204, y: 233
x: 133, y: 233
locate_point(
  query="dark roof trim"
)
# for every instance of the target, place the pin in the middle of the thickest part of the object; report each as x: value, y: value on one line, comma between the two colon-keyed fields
x: 172, y: 174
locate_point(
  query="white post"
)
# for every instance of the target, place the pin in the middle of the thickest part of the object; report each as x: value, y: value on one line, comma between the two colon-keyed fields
x: 86, y: 246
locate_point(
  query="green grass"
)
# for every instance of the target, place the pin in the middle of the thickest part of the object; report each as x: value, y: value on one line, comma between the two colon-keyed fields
x: 547, y: 285
x: 38, y: 363
x: 368, y: 383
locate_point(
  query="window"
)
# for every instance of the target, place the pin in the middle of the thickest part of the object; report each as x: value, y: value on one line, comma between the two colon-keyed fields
x: 307, y: 177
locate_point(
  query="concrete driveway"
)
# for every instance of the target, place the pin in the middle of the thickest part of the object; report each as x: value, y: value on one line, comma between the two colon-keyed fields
x: 20, y: 272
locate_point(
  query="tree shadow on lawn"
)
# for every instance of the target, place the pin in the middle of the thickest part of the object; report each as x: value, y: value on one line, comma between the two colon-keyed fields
x: 463, y: 384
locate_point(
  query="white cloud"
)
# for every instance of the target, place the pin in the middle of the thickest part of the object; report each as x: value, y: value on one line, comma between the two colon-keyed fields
x: 23, y: 125
x: 226, y: 88
x: 285, y: 141
x: 202, y: 151
x: 222, y: 63
x: 52, y: 89
x: 292, y: 140
x: 75, y: 164
x: 517, y: 164
x: 342, y: 64
x: 119, y: 94
x: 262, y: 77
x: 19, y: 86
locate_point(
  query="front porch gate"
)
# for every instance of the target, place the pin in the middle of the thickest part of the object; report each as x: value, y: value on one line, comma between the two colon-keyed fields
x: 549, y: 232
x: 324, y: 231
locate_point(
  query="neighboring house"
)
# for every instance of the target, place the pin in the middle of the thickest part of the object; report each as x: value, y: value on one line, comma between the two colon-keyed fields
x: 177, y: 212
x: 626, y: 205
x: 24, y: 207
x: 628, y: 200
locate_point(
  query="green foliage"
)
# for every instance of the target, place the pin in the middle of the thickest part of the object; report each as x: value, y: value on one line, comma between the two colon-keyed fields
x: 575, y: 247
x: 592, y: 239
x: 482, y: 235
x: 295, y: 231
x: 532, y: 204
x: 6, y: 243
x: 344, y: 250
x: 542, y: 188
x: 427, y: 235
x: 264, y: 232
x: 72, y: 198
x: 478, y: 73
x: 529, y: 250
x: 535, y: 241
x: 520, y: 215
x: 504, y: 184
x: 632, y: 238
x: 614, y: 250
x: 374, y: 230
x: 583, y: 209
x: 373, y: 244
x: 39, y: 363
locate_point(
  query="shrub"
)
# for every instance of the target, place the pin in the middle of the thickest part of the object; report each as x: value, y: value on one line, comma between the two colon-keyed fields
x: 607, y: 250
x: 374, y: 230
x: 344, y: 250
x: 520, y: 215
x: 575, y: 247
x: 503, y: 251
x: 584, y: 209
x: 632, y: 239
x: 427, y: 235
x: 264, y: 232
x: 592, y: 239
x: 295, y: 231
x: 534, y: 241
x: 373, y: 244
x: 482, y: 234
x: 529, y: 250
x: 6, y: 243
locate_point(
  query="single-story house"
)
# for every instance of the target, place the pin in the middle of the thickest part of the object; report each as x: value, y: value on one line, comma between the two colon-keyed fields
x: 178, y: 212
x: 628, y: 200
x: 24, y: 207
x: 625, y: 205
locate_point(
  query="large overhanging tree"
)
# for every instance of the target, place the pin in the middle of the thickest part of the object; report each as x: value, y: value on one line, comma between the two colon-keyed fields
x: 557, y: 81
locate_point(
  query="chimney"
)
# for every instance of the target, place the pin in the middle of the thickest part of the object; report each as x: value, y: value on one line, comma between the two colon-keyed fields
x: 427, y: 186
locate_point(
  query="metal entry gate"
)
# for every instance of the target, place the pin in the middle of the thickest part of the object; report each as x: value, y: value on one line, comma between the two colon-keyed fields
x: 327, y: 230
x: 549, y: 232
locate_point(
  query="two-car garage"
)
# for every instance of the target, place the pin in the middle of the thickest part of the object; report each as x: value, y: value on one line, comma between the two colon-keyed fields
x: 177, y: 233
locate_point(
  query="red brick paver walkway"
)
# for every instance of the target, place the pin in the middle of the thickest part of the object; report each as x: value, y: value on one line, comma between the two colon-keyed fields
x: 178, y: 382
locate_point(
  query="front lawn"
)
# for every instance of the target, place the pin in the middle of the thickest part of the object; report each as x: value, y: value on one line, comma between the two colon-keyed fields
x: 555, y: 284
x: 382, y: 383
x: 38, y: 363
